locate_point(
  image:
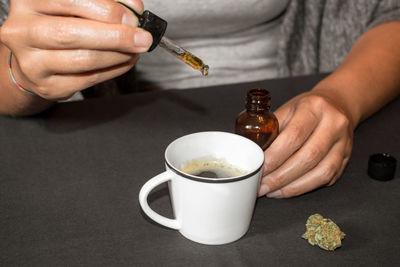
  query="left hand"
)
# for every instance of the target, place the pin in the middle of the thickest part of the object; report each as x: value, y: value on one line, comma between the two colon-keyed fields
x: 312, y: 149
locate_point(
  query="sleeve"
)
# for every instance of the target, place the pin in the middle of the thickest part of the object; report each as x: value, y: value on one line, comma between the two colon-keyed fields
x: 4, y: 7
x: 385, y: 11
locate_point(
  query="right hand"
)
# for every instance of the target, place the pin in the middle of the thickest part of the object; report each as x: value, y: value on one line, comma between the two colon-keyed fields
x: 314, y: 144
x: 60, y: 47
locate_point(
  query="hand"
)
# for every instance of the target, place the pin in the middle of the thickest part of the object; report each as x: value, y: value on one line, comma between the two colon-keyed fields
x: 312, y: 149
x: 60, y: 47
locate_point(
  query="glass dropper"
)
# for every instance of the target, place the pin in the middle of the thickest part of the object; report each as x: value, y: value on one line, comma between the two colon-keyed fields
x: 157, y: 26
x: 184, y: 55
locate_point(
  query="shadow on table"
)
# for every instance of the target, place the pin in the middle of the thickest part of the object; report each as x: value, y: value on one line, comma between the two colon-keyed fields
x: 73, y: 116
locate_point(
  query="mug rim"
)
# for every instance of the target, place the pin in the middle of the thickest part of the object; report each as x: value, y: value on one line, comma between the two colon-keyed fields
x: 207, y: 179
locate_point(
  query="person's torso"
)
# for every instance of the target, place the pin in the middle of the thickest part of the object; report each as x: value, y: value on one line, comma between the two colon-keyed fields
x: 237, y: 39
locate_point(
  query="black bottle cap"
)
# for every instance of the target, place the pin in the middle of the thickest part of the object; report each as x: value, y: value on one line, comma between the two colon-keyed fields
x: 152, y: 23
x: 381, y: 166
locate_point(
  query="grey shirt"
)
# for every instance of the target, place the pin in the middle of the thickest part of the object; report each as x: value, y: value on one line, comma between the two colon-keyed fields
x: 318, y: 34
x: 239, y: 41
x: 315, y: 35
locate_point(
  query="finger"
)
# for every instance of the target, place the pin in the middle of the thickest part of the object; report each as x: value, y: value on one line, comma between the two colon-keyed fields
x: 346, y: 160
x: 291, y: 137
x: 285, y: 112
x: 325, y: 173
x: 62, y: 86
x: 76, y: 33
x: 108, y: 11
x: 282, y: 114
x: 78, y: 61
x: 307, y: 157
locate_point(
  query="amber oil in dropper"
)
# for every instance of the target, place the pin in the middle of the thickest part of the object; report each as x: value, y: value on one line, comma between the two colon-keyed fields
x: 184, y: 55
x: 195, y: 62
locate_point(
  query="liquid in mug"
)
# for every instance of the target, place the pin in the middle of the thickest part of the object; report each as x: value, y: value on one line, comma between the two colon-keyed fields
x: 212, y: 168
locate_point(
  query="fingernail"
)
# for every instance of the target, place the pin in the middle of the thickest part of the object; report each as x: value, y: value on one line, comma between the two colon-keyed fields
x: 264, y: 189
x: 143, y: 39
x: 275, y: 194
x: 129, y: 19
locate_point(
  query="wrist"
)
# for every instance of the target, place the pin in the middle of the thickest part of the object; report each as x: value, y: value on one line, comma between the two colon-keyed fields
x: 14, y: 101
x: 338, y: 88
x: 10, y: 70
x: 368, y: 78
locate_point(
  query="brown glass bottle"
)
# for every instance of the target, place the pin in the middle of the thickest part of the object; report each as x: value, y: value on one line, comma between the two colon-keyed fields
x: 257, y: 122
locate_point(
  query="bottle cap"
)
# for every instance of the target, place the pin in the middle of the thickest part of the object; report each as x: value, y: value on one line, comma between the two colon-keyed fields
x: 381, y: 166
x: 152, y: 23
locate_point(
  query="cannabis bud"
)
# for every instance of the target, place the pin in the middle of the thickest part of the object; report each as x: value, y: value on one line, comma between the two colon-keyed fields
x: 323, y: 232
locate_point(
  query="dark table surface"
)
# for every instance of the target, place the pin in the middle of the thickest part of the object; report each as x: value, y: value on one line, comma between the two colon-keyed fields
x: 70, y: 178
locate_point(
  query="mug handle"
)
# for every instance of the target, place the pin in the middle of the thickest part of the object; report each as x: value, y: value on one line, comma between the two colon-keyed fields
x: 145, y: 191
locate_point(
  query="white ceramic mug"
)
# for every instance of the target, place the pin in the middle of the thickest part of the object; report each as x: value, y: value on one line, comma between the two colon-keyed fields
x: 210, y: 211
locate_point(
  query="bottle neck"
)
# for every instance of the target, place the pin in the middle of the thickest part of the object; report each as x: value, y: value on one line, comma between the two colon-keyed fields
x: 256, y: 109
x: 258, y: 101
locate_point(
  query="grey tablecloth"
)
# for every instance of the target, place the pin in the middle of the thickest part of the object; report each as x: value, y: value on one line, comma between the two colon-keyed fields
x: 70, y: 178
